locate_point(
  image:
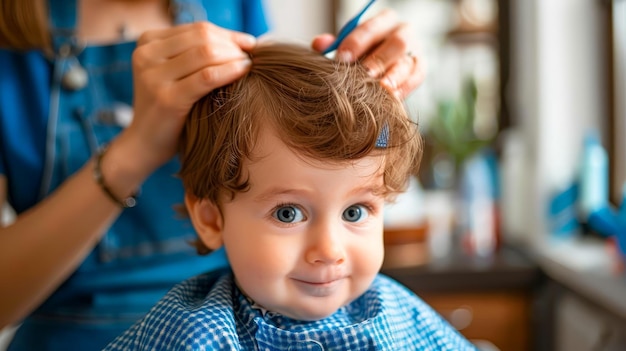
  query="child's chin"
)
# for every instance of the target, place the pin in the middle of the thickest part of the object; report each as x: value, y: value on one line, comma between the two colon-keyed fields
x: 312, y: 317
x: 312, y: 314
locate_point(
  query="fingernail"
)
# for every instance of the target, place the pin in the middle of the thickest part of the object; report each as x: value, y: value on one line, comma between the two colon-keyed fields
x: 245, y: 63
x: 398, y: 94
x: 344, y: 56
x: 389, y: 83
x: 250, y: 39
x: 372, y: 72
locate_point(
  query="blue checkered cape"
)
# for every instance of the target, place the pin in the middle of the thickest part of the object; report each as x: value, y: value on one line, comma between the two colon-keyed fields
x: 209, y: 312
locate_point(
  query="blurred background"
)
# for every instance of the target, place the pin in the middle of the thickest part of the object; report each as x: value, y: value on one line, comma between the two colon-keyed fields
x: 514, y: 229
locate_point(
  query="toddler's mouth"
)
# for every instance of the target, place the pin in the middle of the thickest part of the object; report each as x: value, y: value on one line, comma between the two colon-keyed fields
x: 319, y: 288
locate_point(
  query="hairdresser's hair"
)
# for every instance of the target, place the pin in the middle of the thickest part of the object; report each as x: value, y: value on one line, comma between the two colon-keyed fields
x: 320, y: 108
x: 24, y: 25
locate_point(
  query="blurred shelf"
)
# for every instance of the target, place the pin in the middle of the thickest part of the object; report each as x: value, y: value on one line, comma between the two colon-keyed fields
x: 508, y: 269
x: 471, y: 35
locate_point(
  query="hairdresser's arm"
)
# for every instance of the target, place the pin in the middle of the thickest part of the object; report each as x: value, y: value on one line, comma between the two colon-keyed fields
x: 172, y: 69
x: 386, y: 47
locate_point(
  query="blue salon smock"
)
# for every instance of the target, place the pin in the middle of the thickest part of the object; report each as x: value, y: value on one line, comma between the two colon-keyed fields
x: 48, y: 132
x: 209, y: 312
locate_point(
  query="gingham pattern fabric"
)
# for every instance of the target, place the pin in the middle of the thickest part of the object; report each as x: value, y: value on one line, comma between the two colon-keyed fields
x: 209, y: 312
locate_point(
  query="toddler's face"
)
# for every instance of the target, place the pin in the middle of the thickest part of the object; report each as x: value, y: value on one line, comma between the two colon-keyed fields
x: 306, y: 238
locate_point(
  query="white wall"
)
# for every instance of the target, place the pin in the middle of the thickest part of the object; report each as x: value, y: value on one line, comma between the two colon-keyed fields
x: 557, y: 92
x: 298, y: 19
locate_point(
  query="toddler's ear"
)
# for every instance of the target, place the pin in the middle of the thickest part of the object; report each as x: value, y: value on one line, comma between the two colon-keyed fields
x: 206, y: 219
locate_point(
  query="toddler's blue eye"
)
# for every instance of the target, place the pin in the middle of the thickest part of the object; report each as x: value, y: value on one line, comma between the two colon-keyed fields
x: 288, y: 214
x: 355, y: 213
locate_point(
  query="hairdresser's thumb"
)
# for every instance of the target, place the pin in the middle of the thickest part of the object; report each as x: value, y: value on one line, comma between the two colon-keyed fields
x: 245, y: 41
x: 322, y: 41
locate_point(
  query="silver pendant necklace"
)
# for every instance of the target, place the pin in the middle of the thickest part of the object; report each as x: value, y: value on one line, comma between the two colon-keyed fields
x: 76, y: 77
x: 123, y: 32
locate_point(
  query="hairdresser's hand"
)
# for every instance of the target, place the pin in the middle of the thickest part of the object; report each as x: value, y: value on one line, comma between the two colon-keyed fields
x: 172, y: 68
x: 386, y: 47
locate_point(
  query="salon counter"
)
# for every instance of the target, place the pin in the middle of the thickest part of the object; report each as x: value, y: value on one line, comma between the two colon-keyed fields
x: 489, y: 300
x: 524, y: 300
x: 508, y: 269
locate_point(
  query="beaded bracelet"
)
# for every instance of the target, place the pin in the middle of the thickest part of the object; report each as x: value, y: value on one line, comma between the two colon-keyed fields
x: 128, y: 202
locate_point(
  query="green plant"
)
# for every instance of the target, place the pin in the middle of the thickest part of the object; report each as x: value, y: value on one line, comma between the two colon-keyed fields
x: 452, y: 131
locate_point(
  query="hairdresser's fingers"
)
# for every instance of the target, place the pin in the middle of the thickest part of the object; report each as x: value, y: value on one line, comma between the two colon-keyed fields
x: 390, y: 52
x: 196, y: 85
x: 322, y: 41
x: 405, y: 76
x: 217, y: 43
x: 171, y: 70
x: 203, y: 34
x: 362, y: 39
x: 198, y: 58
x: 367, y: 36
x: 176, y: 96
x: 200, y: 46
x: 196, y: 27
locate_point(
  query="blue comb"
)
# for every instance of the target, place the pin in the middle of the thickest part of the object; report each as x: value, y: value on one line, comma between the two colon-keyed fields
x: 347, y: 28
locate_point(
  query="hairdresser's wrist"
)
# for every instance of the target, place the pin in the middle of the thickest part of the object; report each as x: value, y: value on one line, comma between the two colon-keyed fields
x: 124, y: 167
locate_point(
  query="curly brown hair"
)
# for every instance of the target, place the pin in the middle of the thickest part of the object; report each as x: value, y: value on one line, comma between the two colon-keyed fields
x: 321, y: 109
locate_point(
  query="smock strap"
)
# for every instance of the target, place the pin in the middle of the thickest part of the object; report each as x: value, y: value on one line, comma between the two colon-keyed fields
x: 62, y: 19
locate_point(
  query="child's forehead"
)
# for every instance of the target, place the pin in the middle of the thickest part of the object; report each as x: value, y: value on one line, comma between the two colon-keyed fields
x: 269, y: 140
x: 316, y: 179
x: 273, y: 157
